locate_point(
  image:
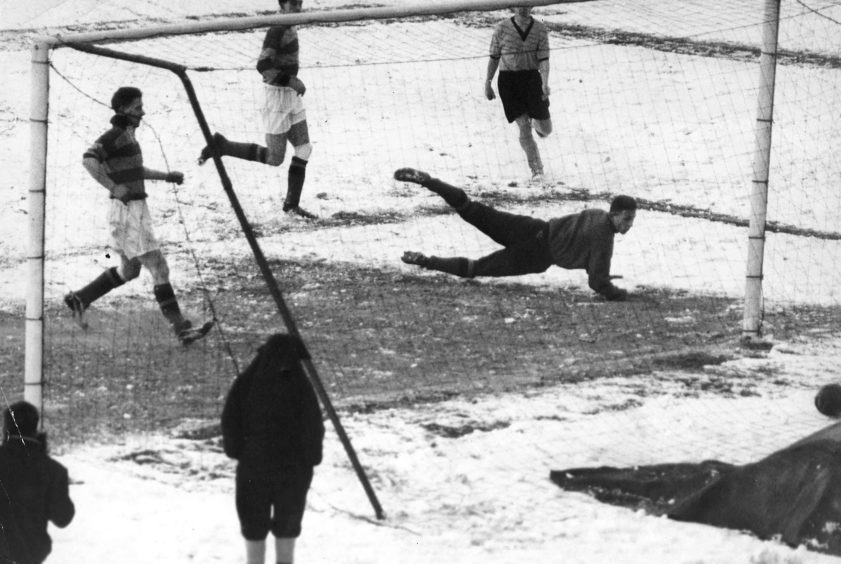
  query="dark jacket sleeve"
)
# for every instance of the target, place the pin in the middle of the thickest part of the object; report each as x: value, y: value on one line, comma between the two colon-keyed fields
x: 60, y: 508
x: 598, y: 271
x: 232, y: 435
x: 312, y: 425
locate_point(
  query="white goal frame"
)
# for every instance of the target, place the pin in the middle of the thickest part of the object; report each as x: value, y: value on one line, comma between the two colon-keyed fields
x: 39, y: 113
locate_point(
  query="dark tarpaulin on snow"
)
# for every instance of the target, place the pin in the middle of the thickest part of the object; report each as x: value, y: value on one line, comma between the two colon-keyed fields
x: 794, y: 494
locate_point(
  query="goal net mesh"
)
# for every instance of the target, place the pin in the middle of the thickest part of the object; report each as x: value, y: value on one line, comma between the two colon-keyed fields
x: 660, y: 106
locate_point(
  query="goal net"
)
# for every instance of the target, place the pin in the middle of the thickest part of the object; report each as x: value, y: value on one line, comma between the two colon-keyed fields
x: 660, y: 106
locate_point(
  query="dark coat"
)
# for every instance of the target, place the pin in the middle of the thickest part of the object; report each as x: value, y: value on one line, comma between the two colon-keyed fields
x: 35, y: 490
x: 271, y: 416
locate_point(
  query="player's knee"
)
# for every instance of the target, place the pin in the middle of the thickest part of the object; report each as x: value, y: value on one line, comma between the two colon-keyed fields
x: 275, y: 158
x: 303, y: 151
x: 129, y: 271
x: 543, y: 127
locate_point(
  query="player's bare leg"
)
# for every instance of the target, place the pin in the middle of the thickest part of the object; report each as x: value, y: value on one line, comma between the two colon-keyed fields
x: 276, y: 148
x: 529, y: 145
x: 255, y: 552
x: 284, y: 550
x: 543, y: 127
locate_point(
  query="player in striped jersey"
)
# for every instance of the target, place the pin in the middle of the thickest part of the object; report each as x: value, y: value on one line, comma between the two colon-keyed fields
x: 283, y: 113
x: 116, y: 162
x: 520, y: 50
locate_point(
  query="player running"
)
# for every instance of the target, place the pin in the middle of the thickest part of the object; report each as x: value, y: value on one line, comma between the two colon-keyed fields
x: 580, y: 240
x: 116, y: 161
x: 520, y: 49
x: 283, y: 112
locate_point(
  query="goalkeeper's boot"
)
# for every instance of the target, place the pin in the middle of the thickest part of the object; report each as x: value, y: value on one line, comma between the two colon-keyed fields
x: 411, y: 175
x: 77, y: 308
x: 416, y: 258
x: 207, y: 153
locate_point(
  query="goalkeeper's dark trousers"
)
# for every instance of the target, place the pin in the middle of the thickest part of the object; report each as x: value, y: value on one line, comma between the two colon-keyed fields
x: 524, y: 238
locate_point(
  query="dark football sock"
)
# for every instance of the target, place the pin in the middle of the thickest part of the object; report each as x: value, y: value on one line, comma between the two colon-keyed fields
x: 455, y: 197
x: 165, y: 296
x: 246, y: 151
x: 100, y: 286
x: 297, y: 175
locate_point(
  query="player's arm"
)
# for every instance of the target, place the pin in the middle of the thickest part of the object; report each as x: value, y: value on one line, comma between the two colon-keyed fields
x: 312, y: 428
x: 60, y: 508
x: 232, y: 435
x: 543, y: 69
x: 598, y: 272
x: 174, y: 176
x: 94, y: 162
x: 493, y: 64
x: 543, y: 60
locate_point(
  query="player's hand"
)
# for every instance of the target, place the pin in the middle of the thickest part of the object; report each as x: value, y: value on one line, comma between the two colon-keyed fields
x: 546, y: 91
x: 489, y: 91
x: 120, y: 192
x: 175, y: 177
x: 297, y: 85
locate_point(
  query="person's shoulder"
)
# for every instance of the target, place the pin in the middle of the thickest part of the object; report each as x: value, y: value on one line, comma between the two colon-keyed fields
x: 599, y: 215
x: 55, y: 466
x: 111, y: 134
x: 504, y: 24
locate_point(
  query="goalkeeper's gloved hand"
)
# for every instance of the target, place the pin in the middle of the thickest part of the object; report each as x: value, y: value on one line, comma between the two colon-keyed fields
x: 174, y: 177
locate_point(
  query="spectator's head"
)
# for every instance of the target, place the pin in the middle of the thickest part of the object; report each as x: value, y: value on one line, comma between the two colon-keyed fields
x: 20, y: 418
x: 284, y: 351
x: 623, y: 211
x: 128, y: 101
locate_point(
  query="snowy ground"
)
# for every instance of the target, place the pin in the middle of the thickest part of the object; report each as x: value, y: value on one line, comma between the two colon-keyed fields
x: 485, y: 496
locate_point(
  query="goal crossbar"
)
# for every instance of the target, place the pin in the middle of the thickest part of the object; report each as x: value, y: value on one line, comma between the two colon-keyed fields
x: 300, y: 18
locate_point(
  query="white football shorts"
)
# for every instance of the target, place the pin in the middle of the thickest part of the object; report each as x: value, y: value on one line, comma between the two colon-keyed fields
x: 282, y: 108
x: 131, y: 228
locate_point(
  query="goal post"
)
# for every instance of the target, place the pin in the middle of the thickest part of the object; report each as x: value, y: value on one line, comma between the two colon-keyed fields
x: 752, y: 323
x: 671, y: 121
x: 39, y: 133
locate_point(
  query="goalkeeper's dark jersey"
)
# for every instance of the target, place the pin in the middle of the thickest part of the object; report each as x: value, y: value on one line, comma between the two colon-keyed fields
x: 585, y: 240
x: 278, y: 60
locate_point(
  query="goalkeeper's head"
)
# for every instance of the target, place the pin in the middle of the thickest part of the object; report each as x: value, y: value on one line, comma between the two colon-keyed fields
x: 623, y: 211
x: 20, y: 420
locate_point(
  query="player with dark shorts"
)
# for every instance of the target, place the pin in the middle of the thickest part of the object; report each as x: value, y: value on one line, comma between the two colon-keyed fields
x: 582, y: 240
x: 272, y: 425
x: 521, y: 93
x: 520, y: 50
